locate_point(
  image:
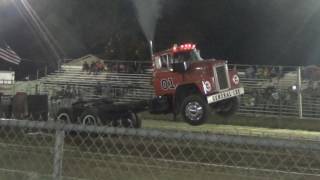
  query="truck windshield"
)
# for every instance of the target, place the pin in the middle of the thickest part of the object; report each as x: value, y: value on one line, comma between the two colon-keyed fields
x: 186, y: 56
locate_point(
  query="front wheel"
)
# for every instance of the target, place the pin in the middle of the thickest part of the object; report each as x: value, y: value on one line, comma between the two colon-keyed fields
x: 195, y: 110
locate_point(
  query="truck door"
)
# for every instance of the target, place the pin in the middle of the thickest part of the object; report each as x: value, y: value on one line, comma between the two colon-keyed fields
x: 165, y: 80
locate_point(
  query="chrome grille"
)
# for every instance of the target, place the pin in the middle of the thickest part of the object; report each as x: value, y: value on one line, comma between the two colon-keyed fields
x: 222, y: 77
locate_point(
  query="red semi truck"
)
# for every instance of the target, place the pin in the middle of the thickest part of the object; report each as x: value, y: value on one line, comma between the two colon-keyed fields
x: 187, y: 84
x: 183, y: 82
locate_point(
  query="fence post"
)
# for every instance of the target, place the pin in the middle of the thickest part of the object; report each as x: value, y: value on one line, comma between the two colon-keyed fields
x: 37, y: 74
x: 45, y: 71
x: 13, y: 90
x: 37, y: 89
x: 58, y: 155
x: 299, y: 94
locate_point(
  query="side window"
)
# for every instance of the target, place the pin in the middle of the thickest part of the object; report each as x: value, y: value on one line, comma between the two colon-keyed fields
x: 164, y: 61
x: 157, y: 62
x: 170, y: 60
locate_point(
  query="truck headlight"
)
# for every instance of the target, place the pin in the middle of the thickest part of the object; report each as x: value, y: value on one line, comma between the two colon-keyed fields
x: 236, y: 79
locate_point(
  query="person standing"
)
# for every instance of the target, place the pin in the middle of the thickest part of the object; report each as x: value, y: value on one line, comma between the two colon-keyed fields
x: 93, y: 68
x: 85, y: 66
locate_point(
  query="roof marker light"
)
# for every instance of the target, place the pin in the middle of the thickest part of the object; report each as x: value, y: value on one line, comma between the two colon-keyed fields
x: 183, y: 47
x: 174, y: 48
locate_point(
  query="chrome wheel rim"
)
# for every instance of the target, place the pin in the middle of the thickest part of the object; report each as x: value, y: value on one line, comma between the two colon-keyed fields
x: 194, y: 111
x: 63, y: 118
x: 126, y: 123
x: 89, y: 120
x: 123, y: 123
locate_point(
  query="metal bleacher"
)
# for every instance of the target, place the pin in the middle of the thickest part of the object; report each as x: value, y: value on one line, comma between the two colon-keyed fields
x: 120, y: 87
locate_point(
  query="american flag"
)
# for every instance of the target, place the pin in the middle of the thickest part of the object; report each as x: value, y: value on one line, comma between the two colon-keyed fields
x: 7, y: 54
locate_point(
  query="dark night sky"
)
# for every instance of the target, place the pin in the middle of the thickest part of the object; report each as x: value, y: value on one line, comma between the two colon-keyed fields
x: 281, y: 32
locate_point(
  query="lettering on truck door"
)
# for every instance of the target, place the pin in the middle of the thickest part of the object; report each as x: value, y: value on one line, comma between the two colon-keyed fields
x: 166, y: 80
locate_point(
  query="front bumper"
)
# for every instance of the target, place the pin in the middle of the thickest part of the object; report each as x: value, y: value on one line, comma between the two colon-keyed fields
x: 225, y: 95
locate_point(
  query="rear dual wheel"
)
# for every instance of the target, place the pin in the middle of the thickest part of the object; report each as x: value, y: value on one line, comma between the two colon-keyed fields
x: 128, y: 120
x: 64, y: 115
x: 90, y: 117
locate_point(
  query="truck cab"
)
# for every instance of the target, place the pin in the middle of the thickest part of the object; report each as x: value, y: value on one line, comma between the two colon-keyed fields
x: 186, y: 84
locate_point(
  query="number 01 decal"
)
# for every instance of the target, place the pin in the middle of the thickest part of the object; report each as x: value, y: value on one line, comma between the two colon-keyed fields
x: 167, y: 84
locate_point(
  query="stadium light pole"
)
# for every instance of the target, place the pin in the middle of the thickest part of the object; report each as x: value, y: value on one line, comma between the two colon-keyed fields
x: 39, y: 29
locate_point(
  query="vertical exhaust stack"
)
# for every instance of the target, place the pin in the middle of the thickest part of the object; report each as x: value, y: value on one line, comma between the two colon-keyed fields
x: 151, y: 48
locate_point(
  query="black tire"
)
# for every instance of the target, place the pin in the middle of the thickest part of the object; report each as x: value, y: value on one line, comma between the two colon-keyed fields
x: 228, y: 107
x: 90, y: 117
x: 64, y: 115
x: 129, y: 120
x: 39, y: 116
x: 195, y: 110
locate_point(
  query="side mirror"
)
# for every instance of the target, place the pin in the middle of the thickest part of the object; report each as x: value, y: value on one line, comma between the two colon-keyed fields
x: 180, y: 67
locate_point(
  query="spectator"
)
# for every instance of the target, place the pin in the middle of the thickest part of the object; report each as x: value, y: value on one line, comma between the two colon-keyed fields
x: 266, y: 72
x: 68, y: 93
x: 98, y: 89
x: 273, y: 72
x: 114, y: 67
x: 280, y: 72
x: 100, y: 66
x: 122, y: 68
x: 27, y: 78
x: 97, y: 66
x: 85, y: 67
x: 250, y: 72
x: 260, y: 73
x: 93, y: 68
x: 255, y: 70
x: 104, y: 67
x: 136, y: 68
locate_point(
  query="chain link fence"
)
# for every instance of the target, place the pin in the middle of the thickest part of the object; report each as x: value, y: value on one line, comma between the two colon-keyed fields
x: 270, y: 90
x: 52, y: 150
x: 48, y: 150
x: 281, y: 90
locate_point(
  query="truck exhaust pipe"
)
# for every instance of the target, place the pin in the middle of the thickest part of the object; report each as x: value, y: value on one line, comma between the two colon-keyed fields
x: 151, y: 48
